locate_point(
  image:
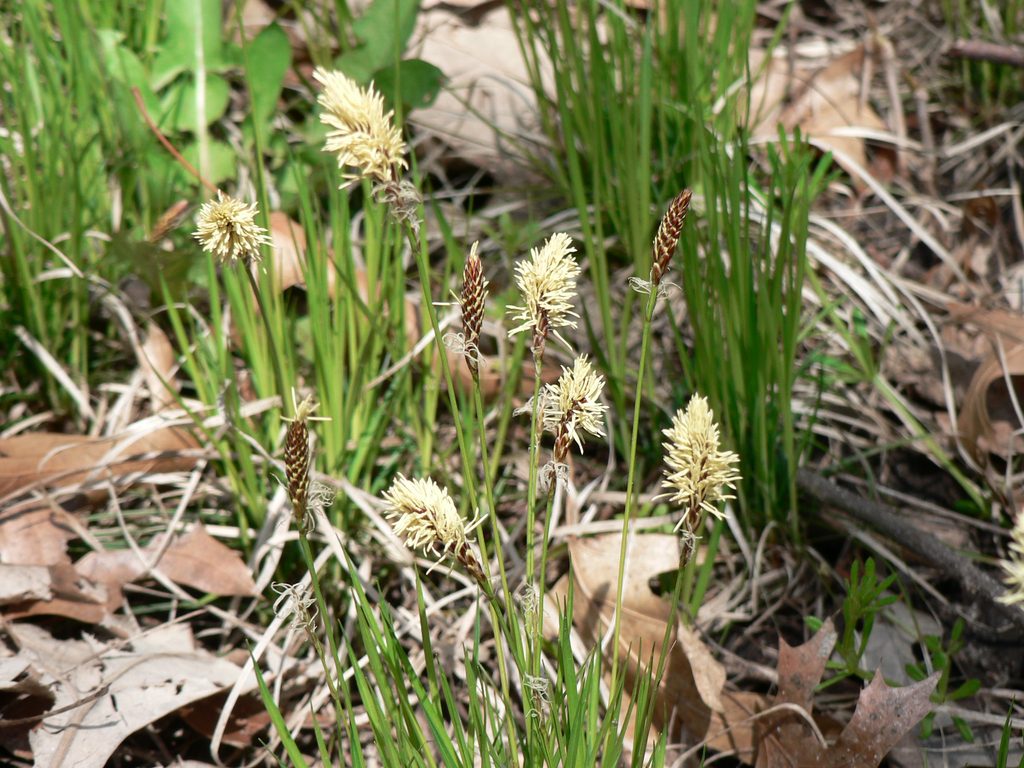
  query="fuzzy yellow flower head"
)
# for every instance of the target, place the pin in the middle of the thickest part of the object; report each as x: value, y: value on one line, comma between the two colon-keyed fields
x: 363, y: 136
x: 227, y: 228
x: 1014, y: 565
x: 697, y: 471
x: 423, y: 514
x: 573, y: 406
x: 547, y: 282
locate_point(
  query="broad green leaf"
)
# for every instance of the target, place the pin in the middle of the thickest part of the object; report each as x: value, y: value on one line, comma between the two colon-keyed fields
x: 181, y: 103
x: 418, y: 82
x: 383, y: 30
x: 124, y: 67
x: 270, y: 55
x: 223, y: 161
x: 193, y: 41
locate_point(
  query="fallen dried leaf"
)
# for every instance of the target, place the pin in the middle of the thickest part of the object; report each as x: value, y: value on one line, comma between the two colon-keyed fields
x: 110, y: 693
x: 825, y: 104
x: 157, y: 362
x: 882, y: 717
x: 44, y: 459
x: 988, y: 421
x: 690, y: 690
x: 488, y: 96
x: 73, y: 596
x: 194, y: 559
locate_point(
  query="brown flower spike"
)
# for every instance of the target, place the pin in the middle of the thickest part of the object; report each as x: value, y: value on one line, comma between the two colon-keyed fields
x: 474, y: 295
x: 668, y: 235
x: 297, y: 458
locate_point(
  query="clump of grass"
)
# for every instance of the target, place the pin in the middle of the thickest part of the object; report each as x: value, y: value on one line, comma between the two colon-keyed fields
x: 426, y: 516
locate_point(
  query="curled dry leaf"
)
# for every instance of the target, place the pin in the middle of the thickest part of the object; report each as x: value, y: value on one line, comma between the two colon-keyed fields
x: 990, y: 416
x: 690, y: 690
x: 989, y: 421
x: 824, y: 103
x: 157, y: 362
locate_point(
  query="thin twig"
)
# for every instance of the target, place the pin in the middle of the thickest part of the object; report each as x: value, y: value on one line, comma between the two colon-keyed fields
x: 167, y: 145
x: 981, y: 50
x: 976, y: 584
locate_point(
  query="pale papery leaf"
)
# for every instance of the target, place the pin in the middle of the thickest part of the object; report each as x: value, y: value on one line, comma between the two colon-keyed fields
x: 194, y: 559
x: 43, y: 459
x: 691, y: 686
x: 988, y: 421
x: 73, y: 596
x: 160, y: 672
x: 824, y: 103
x: 157, y: 361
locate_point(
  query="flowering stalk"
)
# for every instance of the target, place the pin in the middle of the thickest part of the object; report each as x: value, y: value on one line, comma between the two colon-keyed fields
x: 297, y: 461
x: 227, y: 228
x: 663, y: 244
x: 572, y: 406
x: 697, y: 471
x: 366, y: 140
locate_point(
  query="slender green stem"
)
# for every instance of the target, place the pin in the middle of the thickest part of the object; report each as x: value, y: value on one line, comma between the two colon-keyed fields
x: 631, y: 476
x: 492, y: 513
x: 424, y: 273
x: 321, y: 604
x: 531, y: 490
x: 274, y: 356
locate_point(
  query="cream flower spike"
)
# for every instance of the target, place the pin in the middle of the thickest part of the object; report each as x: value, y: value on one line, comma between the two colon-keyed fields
x: 422, y: 513
x: 227, y: 228
x: 573, y: 406
x: 1013, y: 566
x: 697, y: 471
x: 363, y: 136
x: 547, y: 282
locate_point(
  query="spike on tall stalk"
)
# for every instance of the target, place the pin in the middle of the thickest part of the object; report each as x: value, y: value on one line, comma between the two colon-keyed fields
x: 668, y: 235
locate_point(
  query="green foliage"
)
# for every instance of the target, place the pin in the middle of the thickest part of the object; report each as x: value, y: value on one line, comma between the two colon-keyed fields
x: 939, y: 658
x: 866, y: 595
x: 1003, y: 758
x: 659, y: 110
x: 382, y: 33
x: 987, y: 86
